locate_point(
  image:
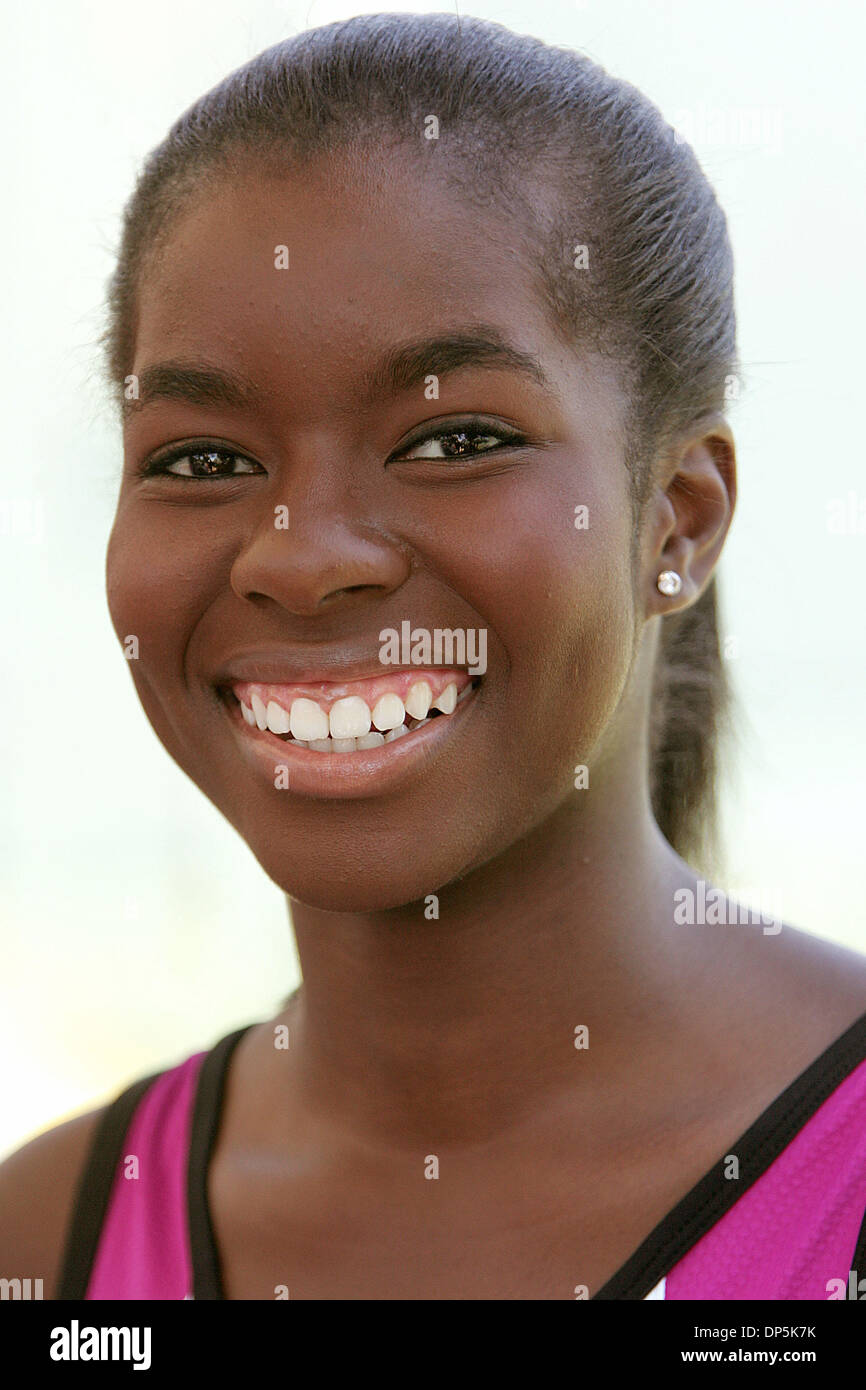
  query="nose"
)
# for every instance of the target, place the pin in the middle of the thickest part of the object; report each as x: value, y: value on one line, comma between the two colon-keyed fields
x: 317, y: 546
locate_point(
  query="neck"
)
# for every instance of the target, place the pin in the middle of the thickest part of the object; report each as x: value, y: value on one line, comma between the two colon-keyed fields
x: 464, y: 1025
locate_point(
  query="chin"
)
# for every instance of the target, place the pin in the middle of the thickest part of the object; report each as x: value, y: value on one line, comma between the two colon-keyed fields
x: 358, y: 892
x: 359, y: 887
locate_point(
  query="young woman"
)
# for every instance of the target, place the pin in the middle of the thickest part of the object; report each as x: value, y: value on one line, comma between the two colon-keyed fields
x: 421, y: 333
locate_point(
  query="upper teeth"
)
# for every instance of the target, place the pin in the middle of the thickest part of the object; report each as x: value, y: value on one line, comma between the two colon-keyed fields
x: 388, y: 712
x: 447, y: 700
x: 260, y: 712
x: 418, y: 699
x: 350, y: 718
x: 308, y: 721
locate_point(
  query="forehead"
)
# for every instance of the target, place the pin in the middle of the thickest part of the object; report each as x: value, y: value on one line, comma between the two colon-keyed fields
x: 302, y: 278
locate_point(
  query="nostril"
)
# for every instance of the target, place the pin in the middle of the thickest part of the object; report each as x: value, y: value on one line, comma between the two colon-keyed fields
x: 350, y: 589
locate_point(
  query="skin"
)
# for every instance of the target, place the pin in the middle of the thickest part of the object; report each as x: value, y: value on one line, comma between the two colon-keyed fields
x: 452, y: 1037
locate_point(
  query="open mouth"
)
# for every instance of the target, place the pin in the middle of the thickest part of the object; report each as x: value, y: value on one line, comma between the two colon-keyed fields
x: 394, y: 708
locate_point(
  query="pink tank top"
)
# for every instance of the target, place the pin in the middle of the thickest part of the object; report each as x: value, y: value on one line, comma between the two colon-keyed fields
x: 782, y: 1215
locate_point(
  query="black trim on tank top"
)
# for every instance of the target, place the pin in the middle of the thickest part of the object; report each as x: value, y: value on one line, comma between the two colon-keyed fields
x: 759, y: 1147
x: 94, y: 1191
x: 96, y: 1182
x: 672, y: 1238
x: 207, y: 1113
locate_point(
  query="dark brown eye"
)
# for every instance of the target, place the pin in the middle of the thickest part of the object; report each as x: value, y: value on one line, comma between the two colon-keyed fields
x: 461, y: 442
x: 200, y: 462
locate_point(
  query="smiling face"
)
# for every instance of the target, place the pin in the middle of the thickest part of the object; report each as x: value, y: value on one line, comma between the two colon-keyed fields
x: 333, y: 495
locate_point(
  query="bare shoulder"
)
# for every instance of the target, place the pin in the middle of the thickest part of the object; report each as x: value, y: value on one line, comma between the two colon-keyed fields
x: 768, y: 999
x: 808, y: 990
x: 833, y: 971
x: 38, y: 1183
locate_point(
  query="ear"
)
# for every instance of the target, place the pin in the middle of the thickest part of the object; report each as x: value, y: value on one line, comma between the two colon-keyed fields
x: 688, y: 514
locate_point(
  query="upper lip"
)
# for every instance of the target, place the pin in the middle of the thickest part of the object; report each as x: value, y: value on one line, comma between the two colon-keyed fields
x: 272, y: 667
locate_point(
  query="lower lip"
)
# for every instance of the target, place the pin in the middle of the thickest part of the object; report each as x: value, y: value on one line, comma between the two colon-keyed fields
x: 368, y: 772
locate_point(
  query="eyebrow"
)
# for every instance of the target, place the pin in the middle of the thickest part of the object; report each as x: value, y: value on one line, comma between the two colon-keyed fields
x: 194, y: 383
x: 407, y: 364
x: 398, y: 370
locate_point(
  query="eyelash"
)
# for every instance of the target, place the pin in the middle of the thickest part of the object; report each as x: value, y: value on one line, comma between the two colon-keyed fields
x: 158, y: 465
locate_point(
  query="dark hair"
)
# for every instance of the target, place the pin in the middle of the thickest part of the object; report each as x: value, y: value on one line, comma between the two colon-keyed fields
x: 515, y: 116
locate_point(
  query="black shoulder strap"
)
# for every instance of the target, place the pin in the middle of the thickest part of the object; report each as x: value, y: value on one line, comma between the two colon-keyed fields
x: 759, y: 1147
x: 206, y: 1117
x: 106, y: 1147
x: 94, y: 1190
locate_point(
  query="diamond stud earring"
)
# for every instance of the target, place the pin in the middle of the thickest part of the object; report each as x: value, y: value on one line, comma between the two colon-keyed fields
x: 669, y: 583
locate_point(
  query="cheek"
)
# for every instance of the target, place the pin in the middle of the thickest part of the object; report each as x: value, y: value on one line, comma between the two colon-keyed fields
x: 159, y: 580
x: 575, y: 658
x: 559, y: 601
x: 161, y: 574
x: 559, y: 608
